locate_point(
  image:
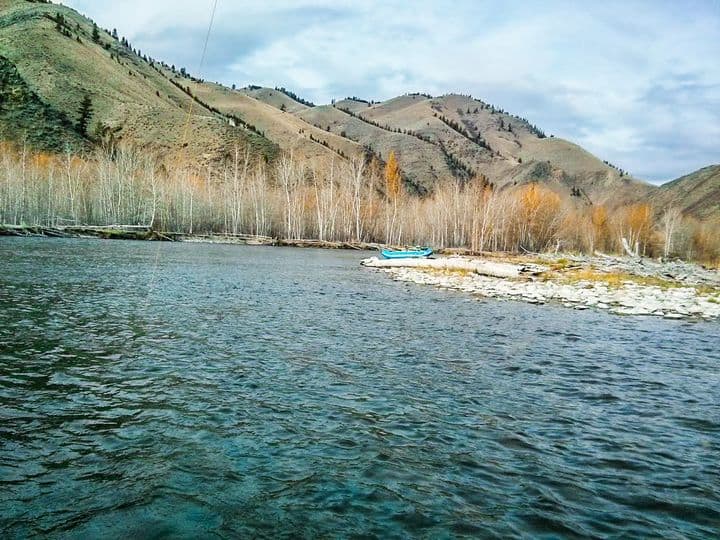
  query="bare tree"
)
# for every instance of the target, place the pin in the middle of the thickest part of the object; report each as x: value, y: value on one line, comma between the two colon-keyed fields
x: 669, y: 223
x: 346, y: 201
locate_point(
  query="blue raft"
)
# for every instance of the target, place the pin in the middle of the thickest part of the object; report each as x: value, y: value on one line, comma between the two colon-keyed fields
x: 409, y: 254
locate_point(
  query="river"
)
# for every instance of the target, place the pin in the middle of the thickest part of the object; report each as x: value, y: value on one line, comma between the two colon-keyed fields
x: 179, y: 390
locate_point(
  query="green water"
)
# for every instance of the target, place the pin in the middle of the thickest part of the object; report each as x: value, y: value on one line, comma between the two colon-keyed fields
x: 200, y: 391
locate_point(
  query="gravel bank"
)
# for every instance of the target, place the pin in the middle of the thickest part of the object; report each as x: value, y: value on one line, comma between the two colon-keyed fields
x: 685, y: 290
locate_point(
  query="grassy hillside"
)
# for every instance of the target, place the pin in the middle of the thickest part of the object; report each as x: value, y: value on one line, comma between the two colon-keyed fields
x: 289, y: 132
x: 276, y: 98
x: 422, y: 163
x: 696, y: 194
x: 508, y: 150
x: 53, y: 50
x: 423, y: 116
x: 26, y: 118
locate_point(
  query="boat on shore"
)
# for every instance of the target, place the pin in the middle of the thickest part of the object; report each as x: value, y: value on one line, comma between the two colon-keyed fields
x: 407, y: 254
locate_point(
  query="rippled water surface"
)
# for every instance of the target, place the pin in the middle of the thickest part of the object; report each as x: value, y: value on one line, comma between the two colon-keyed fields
x: 191, y: 391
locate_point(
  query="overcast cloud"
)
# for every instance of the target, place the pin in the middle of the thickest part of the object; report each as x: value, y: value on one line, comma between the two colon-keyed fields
x: 636, y: 83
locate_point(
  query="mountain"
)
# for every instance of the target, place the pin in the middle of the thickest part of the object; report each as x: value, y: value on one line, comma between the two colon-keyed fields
x: 49, y: 52
x: 696, y: 194
x: 51, y: 58
x: 460, y: 136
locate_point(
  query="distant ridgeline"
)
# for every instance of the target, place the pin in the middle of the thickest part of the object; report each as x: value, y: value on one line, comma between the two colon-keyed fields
x: 294, y: 96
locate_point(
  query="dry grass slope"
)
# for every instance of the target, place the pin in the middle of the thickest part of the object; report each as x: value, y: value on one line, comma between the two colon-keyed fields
x: 275, y: 98
x: 696, y: 194
x: 421, y: 163
x: 283, y: 128
x: 128, y: 95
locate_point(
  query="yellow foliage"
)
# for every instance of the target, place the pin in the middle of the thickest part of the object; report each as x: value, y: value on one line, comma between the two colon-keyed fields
x: 44, y: 161
x: 599, y: 217
x: 600, y: 227
x: 638, y: 225
x: 539, y: 216
x: 639, y: 218
x: 534, y: 198
x: 706, y: 242
x: 530, y: 199
x: 392, y: 176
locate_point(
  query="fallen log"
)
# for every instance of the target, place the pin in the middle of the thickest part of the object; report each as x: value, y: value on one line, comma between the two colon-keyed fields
x: 326, y: 244
x: 34, y: 230
x: 157, y: 235
x: 55, y: 233
x: 478, y: 266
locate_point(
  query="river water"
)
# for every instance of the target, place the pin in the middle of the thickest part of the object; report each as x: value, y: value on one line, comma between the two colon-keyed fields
x: 158, y: 390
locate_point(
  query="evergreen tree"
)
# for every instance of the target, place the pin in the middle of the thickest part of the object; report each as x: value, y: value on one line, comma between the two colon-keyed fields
x: 114, y: 33
x: 95, y: 34
x: 85, y: 114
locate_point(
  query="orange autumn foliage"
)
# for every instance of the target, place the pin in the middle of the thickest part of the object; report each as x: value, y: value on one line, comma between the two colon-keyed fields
x: 393, y: 177
x: 600, y: 227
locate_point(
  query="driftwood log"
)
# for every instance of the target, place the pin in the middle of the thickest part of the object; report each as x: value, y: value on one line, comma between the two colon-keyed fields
x: 124, y: 232
x: 478, y: 266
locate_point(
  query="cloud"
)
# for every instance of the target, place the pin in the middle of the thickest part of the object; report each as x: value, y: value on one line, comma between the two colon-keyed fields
x: 636, y: 83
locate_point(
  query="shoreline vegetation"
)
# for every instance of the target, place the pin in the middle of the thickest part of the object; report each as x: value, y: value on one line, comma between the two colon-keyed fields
x: 621, y: 285
x: 363, y: 204
x: 360, y: 201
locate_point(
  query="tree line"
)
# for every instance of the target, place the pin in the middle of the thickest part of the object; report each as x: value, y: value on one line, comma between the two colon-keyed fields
x: 356, y: 200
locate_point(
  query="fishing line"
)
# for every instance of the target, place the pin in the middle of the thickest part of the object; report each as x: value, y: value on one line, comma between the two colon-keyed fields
x: 153, y: 273
x: 199, y: 71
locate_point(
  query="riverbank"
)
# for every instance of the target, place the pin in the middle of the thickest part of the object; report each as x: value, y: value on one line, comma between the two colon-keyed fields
x: 140, y: 232
x: 620, y: 285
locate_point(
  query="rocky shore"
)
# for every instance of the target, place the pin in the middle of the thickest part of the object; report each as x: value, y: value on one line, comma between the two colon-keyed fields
x: 624, y: 286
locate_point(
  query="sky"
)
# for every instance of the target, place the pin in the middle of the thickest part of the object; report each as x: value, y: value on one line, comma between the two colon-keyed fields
x: 635, y: 83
